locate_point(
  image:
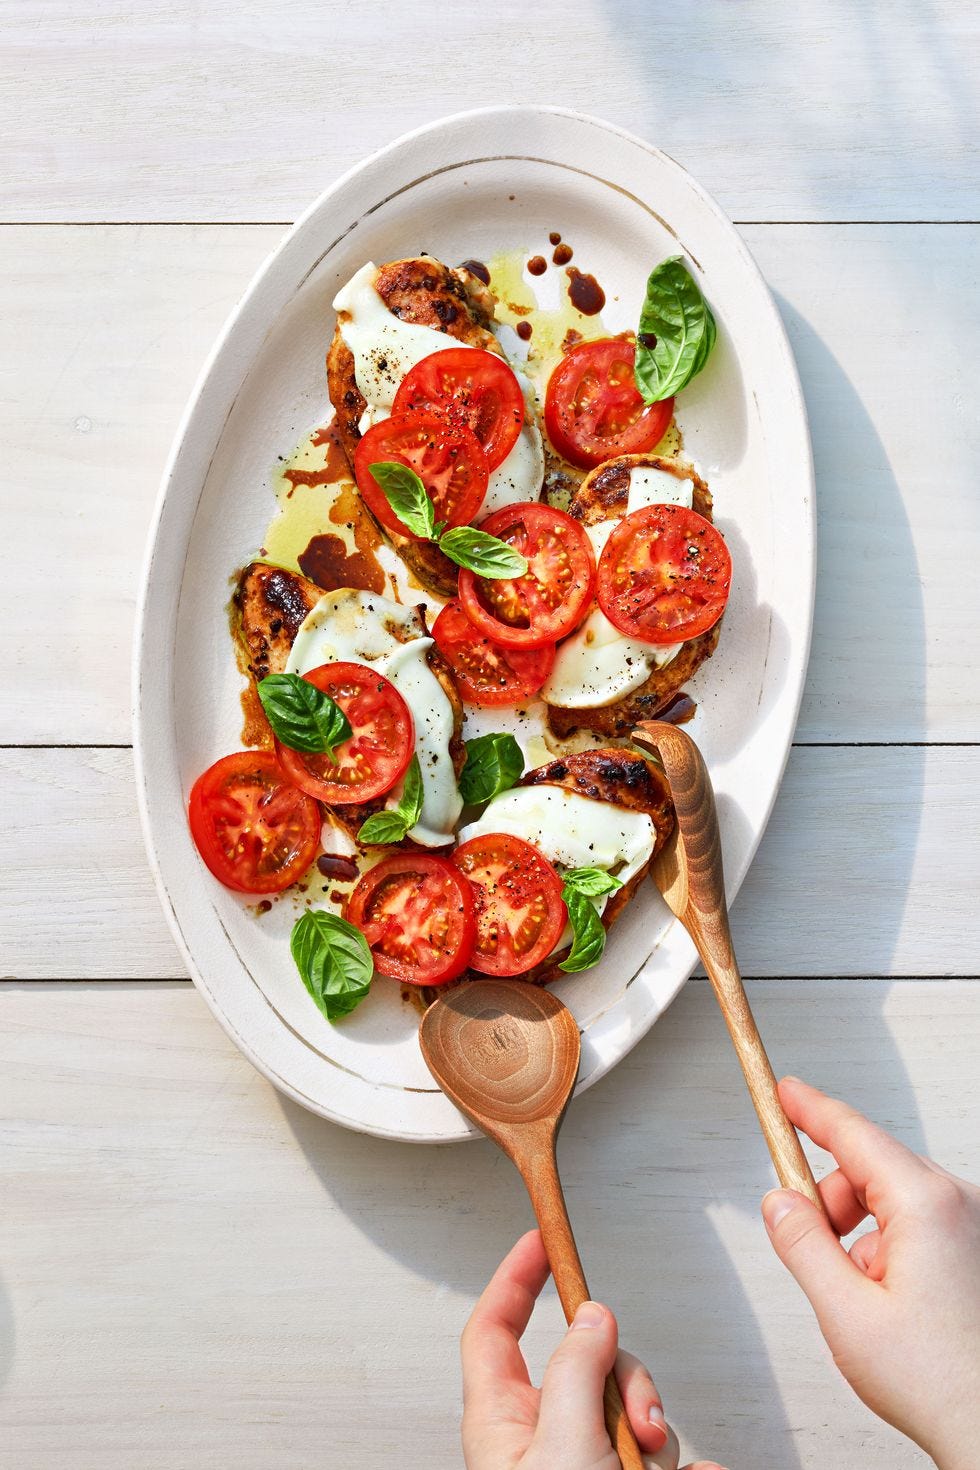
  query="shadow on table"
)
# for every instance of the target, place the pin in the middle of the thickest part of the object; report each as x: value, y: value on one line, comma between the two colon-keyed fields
x: 649, y: 1225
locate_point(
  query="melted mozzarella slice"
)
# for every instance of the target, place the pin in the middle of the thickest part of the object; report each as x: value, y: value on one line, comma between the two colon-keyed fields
x: 359, y: 627
x: 572, y: 831
x: 598, y: 664
x: 385, y: 349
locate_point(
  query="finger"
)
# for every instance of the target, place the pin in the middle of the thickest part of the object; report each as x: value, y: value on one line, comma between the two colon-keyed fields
x: 643, y: 1404
x: 570, y: 1422
x: 845, y: 1207
x: 880, y: 1169
x: 865, y: 1249
x: 704, y: 1465
x: 490, y: 1350
x: 804, y: 1241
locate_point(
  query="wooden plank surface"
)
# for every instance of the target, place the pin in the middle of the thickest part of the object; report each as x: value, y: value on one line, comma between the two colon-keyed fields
x: 120, y: 319
x: 210, y: 110
x: 222, y: 1279
x: 869, y: 867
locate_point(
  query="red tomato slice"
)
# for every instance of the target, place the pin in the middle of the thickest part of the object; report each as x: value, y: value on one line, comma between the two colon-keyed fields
x: 487, y: 673
x: 416, y: 912
x: 664, y: 574
x: 519, y: 910
x: 473, y: 389
x: 379, y: 750
x: 255, y: 831
x: 593, y: 409
x: 450, y: 462
x: 552, y: 597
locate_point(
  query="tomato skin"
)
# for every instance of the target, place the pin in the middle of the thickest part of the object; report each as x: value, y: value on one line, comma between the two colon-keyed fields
x: 593, y: 410
x: 520, y: 914
x: 449, y: 460
x: 416, y: 912
x: 487, y: 673
x: 664, y: 575
x: 379, y: 750
x: 472, y: 388
x: 552, y: 598
x: 254, y: 830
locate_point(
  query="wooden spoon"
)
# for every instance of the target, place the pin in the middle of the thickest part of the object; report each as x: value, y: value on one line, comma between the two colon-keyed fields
x: 688, y: 872
x: 507, y: 1054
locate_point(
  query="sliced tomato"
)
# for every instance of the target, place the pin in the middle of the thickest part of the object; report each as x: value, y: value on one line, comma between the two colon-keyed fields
x: 416, y: 912
x: 449, y: 460
x: 473, y: 389
x: 488, y: 673
x: 593, y: 410
x: 551, y: 599
x: 664, y: 574
x: 254, y: 829
x: 520, y: 914
x: 379, y: 750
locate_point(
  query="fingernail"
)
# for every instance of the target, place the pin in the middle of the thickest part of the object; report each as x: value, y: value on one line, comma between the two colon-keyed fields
x: 776, y: 1205
x: 589, y: 1314
x: 657, y: 1420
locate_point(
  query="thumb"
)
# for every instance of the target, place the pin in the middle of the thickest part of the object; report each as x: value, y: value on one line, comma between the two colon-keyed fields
x: 571, y: 1417
x: 804, y: 1241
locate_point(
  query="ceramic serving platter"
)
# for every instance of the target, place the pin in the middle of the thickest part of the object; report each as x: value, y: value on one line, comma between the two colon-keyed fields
x: 468, y: 187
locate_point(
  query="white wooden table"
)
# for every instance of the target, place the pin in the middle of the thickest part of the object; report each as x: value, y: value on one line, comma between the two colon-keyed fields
x: 192, y: 1270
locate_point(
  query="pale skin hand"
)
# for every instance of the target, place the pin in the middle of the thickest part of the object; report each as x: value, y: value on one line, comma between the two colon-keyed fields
x: 901, y: 1310
x: 510, y: 1425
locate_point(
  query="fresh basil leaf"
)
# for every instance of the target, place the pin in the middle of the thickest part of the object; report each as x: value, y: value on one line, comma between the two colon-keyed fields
x: 394, y: 825
x: 494, y: 763
x: 333, y: 960
x: 483, y: 554
x: 676, y: 332
x: 302, y: 716
x: 592, y: 882
x: 407, y: 496
x: 589, y: 935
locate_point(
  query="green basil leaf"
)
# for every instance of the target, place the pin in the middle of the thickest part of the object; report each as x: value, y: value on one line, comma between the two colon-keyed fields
x: 589, y: 935
x: 483, y: 554
x: 592, y: 882
x: 333, y: 960
x: 494, y: 763
x: 407, y: 496
x: 302, y: 716
x: 394, y: 825
x: 676, y: 332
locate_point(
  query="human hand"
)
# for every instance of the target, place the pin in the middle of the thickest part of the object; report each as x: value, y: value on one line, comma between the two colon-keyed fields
x: 900, y: 1310
x: 510, y: 1425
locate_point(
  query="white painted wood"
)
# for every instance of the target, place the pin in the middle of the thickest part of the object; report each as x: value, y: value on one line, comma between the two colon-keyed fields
x: 222, y: 112
x: 120, y: 320
x: 195, y: 1272
x: 869, y: 867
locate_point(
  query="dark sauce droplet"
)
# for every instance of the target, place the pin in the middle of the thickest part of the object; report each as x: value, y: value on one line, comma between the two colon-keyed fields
x: 524, y: 330
x: 584, y: 292
x: 647, y: 339
x: 555, y: 238
x: 333, y: 865
x: 264, y: 907
x: 537, y: 265
x: 676, y: 710
x: 562, y: 255
x: 476, y: 268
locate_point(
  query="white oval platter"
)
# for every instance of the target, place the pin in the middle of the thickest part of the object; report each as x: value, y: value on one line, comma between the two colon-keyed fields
x: 465, y: 187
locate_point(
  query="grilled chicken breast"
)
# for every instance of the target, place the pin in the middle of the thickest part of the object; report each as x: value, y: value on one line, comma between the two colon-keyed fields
x: 618, y: 778
x: 272, y: 603
x: 603, y: 496
x: 430, y: 294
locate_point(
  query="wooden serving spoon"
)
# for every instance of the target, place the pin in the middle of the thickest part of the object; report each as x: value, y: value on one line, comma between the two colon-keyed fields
x: 507, y: 1054
x: 688, y: 872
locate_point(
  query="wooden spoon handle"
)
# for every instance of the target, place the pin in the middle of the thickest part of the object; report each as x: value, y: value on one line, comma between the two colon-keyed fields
x: 792, y: 1169
x: 540, y: 1174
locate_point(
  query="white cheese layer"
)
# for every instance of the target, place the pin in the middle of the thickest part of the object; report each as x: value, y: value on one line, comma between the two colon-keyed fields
x: 572, y: 831
x: 385, y: 349
x: 350, y: 626
x: 598, y: 664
